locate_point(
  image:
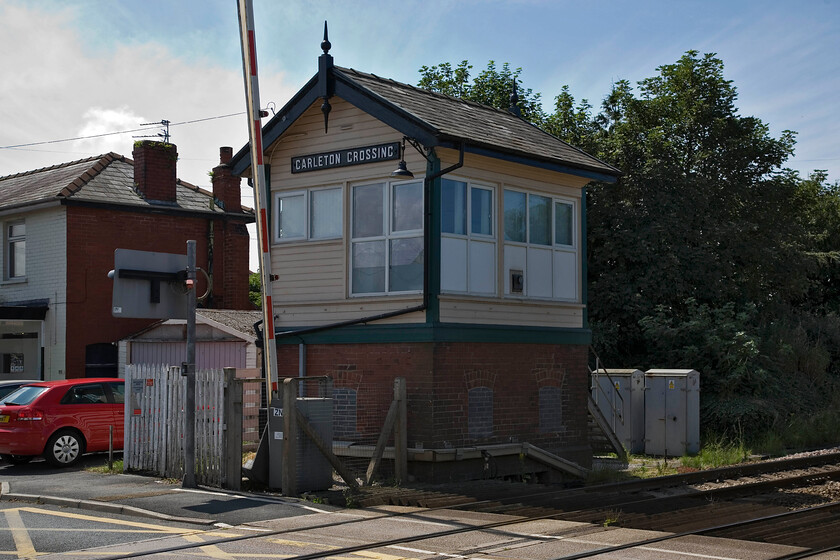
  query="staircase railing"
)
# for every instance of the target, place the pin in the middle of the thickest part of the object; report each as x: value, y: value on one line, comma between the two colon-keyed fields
x: 617, y: 407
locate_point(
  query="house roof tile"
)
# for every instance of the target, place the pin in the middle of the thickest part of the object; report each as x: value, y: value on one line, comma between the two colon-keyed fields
x: 107, y: 179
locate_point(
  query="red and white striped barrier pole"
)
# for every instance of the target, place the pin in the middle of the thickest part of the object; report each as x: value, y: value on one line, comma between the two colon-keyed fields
x: 252, y: 98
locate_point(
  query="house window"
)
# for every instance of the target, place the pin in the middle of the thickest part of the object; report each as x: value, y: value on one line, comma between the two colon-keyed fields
x: 387, y: 238
x: 540, y: 245
x: 15, y: 250
x: 468, y: 244
x: 312, y: 214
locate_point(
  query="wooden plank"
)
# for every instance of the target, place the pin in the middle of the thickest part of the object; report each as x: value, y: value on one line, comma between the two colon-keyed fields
x: 400, y: 432
x: 379, y: 449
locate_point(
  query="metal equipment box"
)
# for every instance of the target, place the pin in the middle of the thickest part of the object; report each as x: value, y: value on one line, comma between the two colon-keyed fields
x: 620, y: 396
x: 313, y: 471
x: 672, y: 412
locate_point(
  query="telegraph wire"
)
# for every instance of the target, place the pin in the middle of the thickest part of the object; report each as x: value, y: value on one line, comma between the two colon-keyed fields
x: 115, y: 133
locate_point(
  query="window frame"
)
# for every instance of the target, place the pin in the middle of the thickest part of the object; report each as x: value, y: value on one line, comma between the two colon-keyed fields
x: 554, y: 200
x: 307, y: 221
x: 554, y: 246
x: 9, y: 244
x: 387, y: 233
x: 472, y: 237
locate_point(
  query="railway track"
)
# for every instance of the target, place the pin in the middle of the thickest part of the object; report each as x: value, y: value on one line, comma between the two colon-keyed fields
x: 734, y: 503
x: 758, y: 495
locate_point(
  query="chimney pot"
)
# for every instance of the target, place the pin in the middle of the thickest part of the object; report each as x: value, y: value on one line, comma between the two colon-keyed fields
x: 225, y: 154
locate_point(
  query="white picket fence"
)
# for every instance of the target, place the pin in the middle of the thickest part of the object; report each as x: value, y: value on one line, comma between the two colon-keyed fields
x: 154, y: 422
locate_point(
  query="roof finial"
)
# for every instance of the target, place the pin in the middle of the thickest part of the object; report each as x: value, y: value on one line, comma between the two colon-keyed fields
x: 326, y: 81
x: 514, y: 101
x: 325, y: 44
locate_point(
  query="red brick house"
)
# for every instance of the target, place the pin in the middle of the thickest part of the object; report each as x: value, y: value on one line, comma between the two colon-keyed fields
x: 420, y: 236
x: 61, y: 225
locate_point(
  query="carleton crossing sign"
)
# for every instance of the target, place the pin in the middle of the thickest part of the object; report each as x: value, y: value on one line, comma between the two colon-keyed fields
x: 346, y: 157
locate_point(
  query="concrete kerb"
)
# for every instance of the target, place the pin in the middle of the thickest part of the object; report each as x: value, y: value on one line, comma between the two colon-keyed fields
x: 94, y: 505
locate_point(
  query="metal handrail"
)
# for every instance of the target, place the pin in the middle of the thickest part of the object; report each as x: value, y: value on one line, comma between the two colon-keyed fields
x: 616, y: 412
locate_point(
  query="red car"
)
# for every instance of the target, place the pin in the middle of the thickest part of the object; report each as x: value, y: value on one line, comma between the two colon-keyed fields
x: 61, y: 420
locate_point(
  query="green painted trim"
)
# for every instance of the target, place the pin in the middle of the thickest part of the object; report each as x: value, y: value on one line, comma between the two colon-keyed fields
x: 448, y: 332
x: 584, y: 273
x: 433, y: 191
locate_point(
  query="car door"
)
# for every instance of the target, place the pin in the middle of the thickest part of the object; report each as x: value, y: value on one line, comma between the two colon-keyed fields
x: 86, y: 407
x: 117, y: 404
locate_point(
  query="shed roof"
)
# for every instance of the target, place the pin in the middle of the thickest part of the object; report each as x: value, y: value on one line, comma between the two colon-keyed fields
x: 105, y: 179
x: 235, y: 322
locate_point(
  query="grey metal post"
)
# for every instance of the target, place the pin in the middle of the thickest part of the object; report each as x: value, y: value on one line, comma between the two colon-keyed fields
x: 233, y: 430
x: 288, y: 479
x: 189, y: 371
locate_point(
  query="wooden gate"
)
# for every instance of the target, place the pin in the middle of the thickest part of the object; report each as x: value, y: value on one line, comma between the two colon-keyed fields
x: 154, y: 422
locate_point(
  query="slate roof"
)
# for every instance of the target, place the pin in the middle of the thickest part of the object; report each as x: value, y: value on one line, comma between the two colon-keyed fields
x: 434, y: 119
x: 475, y: 123
x: 107, y: 179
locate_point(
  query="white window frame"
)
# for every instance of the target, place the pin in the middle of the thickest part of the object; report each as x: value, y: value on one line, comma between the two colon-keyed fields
x: 307, y: 226
x: 555, y: 247
x: 470, y: 236
x: 388, y: 234
x: 9, y: 242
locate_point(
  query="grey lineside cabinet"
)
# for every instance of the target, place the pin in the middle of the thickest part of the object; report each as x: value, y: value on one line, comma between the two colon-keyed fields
x: 672, y: 412
x: 620, y: 396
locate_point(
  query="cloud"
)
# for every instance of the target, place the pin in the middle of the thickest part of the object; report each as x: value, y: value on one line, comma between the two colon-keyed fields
x: 58, y: 87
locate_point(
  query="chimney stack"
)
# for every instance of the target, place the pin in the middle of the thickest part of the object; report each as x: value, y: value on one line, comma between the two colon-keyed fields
x: 155, y: 170
x: 226, y: 186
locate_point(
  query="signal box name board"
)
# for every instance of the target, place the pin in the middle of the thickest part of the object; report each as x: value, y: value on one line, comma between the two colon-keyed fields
x: 346, y: 157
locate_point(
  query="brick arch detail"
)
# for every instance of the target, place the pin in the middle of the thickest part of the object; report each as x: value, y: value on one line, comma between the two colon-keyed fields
x: 346, y: 376
x: 549, y: 376
x: 479, y: 378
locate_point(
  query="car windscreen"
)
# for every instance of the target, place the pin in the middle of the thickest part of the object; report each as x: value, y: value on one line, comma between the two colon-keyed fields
x: 8, y: 389
x: 24, y: 395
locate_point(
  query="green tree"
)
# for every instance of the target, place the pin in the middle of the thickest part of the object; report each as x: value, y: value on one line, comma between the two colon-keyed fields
x: 702, y: 211
x: 491, y: 87
x: 255, y: 289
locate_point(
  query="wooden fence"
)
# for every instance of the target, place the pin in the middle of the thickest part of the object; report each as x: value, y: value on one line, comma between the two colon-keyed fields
x: 154, y: 423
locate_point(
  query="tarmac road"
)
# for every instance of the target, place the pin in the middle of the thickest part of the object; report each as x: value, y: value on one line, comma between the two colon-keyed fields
x: 142, y: 496
x: 74, y: 513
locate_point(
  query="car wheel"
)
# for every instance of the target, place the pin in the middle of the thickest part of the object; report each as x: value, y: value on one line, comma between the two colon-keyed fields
x: 64, y: 448
x: 17, y: 459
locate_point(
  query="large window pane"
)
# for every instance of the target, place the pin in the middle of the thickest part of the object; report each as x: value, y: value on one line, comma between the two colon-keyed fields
x: 453, y: 207
x: 17, y: 262
x: 369, y: 267
x: 515, y: 212
x: 16, y: 250
x: 563, y: 221
x: 325, y: 214
x: 368, y: 208
x: 291, y: 221
x: 482, y: 211
x: 406, y: 266
x: 408, y: 207
x: 539, y: 219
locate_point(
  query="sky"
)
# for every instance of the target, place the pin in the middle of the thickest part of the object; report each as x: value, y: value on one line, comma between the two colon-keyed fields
x: 90, y: 68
